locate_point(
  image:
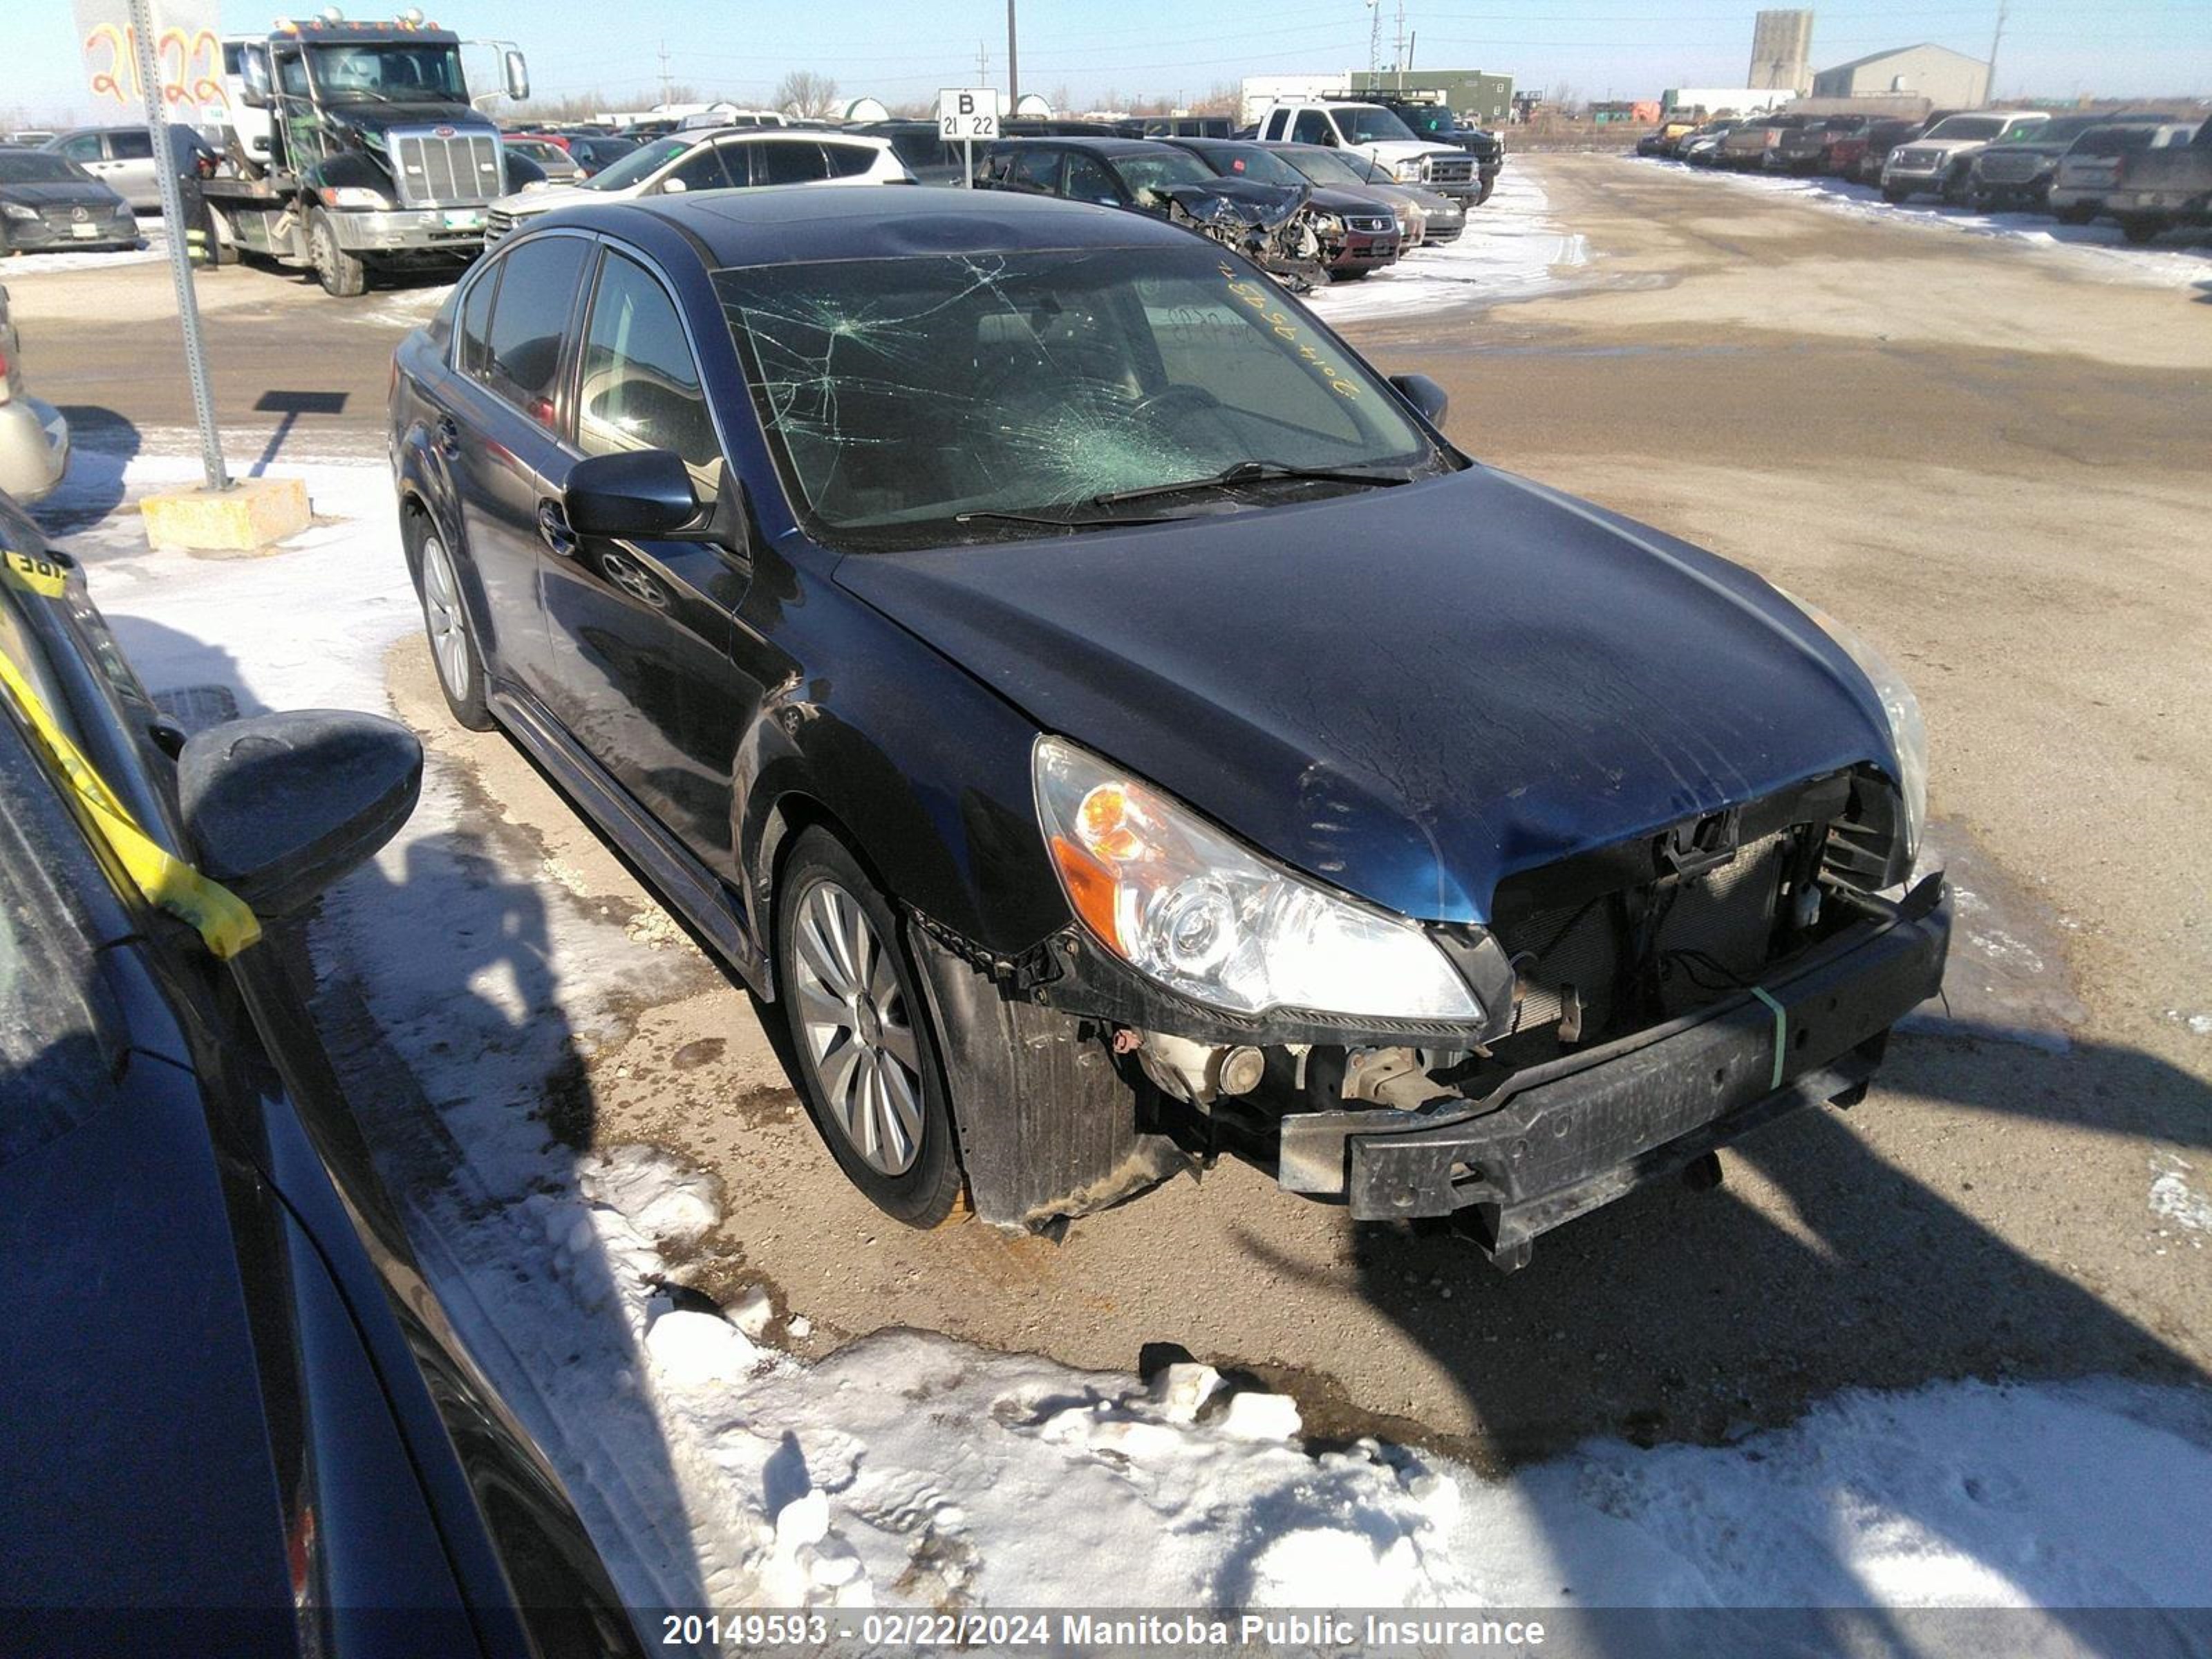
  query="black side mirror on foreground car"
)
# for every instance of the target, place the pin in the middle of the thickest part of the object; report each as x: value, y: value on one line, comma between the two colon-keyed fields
x: 635, y: 496
x: 1425, y: 395
x: 280, y: 806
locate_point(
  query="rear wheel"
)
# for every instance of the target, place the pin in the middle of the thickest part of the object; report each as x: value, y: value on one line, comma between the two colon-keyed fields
x: 341, y: 274
x: 1896, y: 198
x: 867, y: 1064
x: 446, y: 620
x: 2138, y: 229
x: 2076, y: 216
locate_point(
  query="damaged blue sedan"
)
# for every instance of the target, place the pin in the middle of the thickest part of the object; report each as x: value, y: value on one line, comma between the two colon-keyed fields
x: 1113, y: 728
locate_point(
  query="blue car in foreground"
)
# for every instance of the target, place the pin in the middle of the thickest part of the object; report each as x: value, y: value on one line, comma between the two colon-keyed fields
x: 1113, y: 727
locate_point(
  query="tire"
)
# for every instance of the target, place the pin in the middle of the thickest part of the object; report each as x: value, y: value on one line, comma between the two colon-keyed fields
x: 879, y: 1101
x: 2076, y: 216
x: 1896, y: 198
x: 342, y: 276
x: 453, y: 637
x: 2138, y: 229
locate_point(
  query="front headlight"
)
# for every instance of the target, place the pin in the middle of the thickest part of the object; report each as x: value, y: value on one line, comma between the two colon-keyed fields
x: 1186, y: 904
x: 1908, y: 734
x: 1327, y: 224
x: 17, y: 210
x: 1404, y: 171
x: 358, y: 198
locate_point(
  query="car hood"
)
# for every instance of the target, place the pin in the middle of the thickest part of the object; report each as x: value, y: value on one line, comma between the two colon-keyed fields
x: 1410, y: 693
x: 62, y: 193
x: 1947, y: 146
x: 548, y: 198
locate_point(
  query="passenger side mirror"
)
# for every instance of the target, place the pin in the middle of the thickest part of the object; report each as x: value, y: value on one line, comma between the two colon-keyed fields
x: 673, y: 187
x: 1425, y: 395
x: 644, y: 494
x: 254, y: 78
x: 518, y: 76
x: 280, y: 806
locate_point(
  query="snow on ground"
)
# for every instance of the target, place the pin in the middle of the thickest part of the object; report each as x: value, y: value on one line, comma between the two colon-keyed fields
x: 911, y: 1469
x: 1512, y: 249
x: 2175, y: 261
x: 156, y: 246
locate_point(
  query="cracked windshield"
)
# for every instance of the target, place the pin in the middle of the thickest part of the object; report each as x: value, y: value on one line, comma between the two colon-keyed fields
x: 920, y: 400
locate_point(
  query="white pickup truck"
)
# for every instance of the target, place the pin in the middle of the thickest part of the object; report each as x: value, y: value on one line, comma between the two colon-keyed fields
x: 1379, y: 135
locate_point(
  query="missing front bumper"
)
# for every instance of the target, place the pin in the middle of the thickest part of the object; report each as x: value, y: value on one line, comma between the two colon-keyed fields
x: 1562, y: 1138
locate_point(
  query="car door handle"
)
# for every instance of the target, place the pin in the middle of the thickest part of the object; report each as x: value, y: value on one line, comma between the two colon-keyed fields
x: 449, y: 437
x: 553, y: 528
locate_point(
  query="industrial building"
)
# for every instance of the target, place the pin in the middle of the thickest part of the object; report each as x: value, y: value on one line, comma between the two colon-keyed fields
x: 1485, y: 100
x: 1725, y: 100
x: 1782, y: 52
x: 1948, y: 79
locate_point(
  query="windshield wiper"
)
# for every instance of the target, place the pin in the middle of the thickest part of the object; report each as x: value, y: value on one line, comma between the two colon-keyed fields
x: 1252, y: 472
x: 1083, y: 521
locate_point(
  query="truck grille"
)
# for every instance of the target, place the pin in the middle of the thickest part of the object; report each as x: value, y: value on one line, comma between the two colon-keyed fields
x: 437, y: 171
x: 1448, y: 169
x: 1916, y: 160
x: 497, y: 224
x: 1373, y: 226
x: 2009, y: 169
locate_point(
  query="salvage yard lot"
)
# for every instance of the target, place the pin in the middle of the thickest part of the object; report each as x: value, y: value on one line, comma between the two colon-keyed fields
x: 1988, y: 455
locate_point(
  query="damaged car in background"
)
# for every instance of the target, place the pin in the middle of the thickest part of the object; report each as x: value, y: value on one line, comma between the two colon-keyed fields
x: 1115, y: 729
x: 1268, y: 224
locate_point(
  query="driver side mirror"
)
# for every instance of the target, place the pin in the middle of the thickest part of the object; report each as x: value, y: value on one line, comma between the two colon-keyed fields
x: 518, y: 76
x: 281, y: 807
x: 637, y: 496
x: 1428, y: 398
x: 672, y: 187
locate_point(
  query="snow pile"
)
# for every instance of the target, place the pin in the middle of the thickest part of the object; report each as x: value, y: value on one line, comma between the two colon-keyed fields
x: 2100, y: 245
x: 151, y: 226
x: 1512, y: 249
x: 909, y: 1468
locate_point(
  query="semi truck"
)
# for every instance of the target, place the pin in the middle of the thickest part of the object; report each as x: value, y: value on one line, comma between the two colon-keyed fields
x: 357, y: 149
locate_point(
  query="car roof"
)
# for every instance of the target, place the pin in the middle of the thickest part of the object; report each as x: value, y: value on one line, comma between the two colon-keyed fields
x: 1096, y: 145
x: 801, y: 224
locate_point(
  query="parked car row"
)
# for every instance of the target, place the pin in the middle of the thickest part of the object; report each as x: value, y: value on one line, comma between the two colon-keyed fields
x: 2146, y: 169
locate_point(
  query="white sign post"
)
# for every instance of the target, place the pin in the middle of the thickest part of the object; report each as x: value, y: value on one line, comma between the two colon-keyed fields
x: 965, y: 114
x: 170, y: 66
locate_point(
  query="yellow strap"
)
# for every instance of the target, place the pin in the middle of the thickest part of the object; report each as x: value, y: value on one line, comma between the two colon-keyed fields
x: 223, y: 919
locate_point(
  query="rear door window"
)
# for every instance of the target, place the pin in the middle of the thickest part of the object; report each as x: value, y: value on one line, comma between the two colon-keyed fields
x: 849, y: 161
x: 132, y: 145
x: 1312, y: 128
x: 537, y: 291
x: 792, y: 162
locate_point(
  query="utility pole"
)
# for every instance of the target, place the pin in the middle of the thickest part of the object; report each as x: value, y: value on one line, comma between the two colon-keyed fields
x: 1014, y: 62
x: 1398, y: 53
x: 982, y: 64
x: 665, y: 81
x: 1996, y: 42
x: 1374, y: 40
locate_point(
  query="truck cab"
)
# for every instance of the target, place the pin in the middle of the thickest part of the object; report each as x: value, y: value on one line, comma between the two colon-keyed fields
x: 1373, y: 132
x: 359, y: 148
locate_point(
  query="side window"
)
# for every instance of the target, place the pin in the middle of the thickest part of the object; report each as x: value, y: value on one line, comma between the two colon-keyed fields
x: 292, y: 75
x: 703, y: 169
x: 1089, y: 181
x: 641, y: 387
x: 790, y: 163
x: 849, y: 161
x: 536, y: 287
x: 1037, y: 169
x: 132, y: 145
x: 85, y: 146
x: 1312, y: 128
x: 474, y: 356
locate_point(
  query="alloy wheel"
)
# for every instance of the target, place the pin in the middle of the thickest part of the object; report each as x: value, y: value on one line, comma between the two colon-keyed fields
x: 443, y: 615
x: 859, y: 1032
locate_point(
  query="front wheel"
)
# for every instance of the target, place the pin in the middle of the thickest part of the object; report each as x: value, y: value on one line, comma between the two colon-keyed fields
x: 2138, y: 229
x: 2076, y: 216
x: 868, y: 1065
x: 341, y: 275
x: 1896, y: 198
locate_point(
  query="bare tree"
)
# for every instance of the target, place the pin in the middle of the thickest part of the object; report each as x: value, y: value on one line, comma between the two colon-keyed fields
x: 1061, y: 100
x: 807, y: 95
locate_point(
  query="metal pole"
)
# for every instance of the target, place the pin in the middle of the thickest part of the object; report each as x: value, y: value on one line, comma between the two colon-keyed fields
x: 180, y: 263
x: 1991, y: 96
x: 1014, y: 62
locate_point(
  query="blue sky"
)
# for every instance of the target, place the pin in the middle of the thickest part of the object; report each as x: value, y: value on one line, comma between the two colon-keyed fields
x: 895, y: 49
